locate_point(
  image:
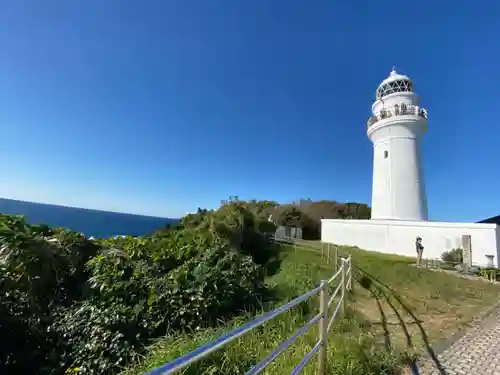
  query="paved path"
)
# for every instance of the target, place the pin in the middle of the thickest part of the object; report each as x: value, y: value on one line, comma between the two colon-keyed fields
x: 477, y: 352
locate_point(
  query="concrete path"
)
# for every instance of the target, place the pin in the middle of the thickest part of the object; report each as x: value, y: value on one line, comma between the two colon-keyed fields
x: 477, y: 352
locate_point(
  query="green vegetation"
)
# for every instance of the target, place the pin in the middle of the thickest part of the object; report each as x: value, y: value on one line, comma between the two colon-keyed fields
x: 79, y: 306
x: 454, y: 256
x: 453, y: 261
x: 307, y: 214
x: 431, y: 305
x: 353, y: 349
x: 394, y: 313
x: 127, y: 305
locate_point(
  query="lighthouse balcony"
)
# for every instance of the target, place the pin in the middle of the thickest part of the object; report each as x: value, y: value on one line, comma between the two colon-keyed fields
x: 397, y: 110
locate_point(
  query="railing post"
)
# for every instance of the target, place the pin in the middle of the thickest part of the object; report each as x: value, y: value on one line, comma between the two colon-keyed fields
x: 351, y: 275
x: 323, y: 328
x: 336, y: 258
x: 328, y: 254
x: 349, y: 281
x: 343, y: 287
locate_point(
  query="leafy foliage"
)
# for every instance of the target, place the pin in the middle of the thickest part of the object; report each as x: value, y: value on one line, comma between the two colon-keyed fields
x: 40, y: 270
x: 490, y: 273
x: 78, y: 306
x: 454, y: 256
x: 307, y: 214
x: 325, y: 209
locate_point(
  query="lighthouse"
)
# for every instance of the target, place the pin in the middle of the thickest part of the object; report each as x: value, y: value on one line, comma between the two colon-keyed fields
x: 395, y: 128
x: 399, y: 202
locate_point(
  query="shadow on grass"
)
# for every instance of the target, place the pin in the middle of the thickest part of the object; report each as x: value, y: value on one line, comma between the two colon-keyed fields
x: 383, y: 316
x: 273, y: 264
x: 382, y: 290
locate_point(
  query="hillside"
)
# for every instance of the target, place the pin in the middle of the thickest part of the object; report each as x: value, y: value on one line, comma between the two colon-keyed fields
x: 303, y: 213
x: 76, y: 305
x: 326, y: 209
x: 71, y: 305
x: 307, y: 214
x: 395, y: 312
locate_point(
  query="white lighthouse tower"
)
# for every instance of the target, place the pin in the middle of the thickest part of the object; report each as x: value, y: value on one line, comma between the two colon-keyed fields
x: 399, y: 201
x: 397, y: 124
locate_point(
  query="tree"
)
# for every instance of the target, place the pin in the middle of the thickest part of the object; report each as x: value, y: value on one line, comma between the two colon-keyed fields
x: 291, y: 217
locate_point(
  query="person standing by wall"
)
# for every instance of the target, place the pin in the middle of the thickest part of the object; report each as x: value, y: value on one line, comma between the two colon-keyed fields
x: 420, y: 249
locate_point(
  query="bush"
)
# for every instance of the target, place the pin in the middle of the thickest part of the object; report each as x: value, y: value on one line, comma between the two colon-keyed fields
x: 139, y: 294
x: 490, y: 273
x: 41, y: 269
x: 295, y: 218
x: 245, y: 227
x: 78, y: 306
x: 453, y: 256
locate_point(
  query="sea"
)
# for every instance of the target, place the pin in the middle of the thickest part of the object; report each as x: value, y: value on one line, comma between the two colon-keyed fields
x: 90, y: 222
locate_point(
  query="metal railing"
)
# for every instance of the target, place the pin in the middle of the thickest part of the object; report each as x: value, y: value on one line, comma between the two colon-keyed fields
x: 397, y: 111
x: 323, y: 319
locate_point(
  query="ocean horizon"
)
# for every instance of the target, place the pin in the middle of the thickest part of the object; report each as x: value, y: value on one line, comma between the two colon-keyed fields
x: 91, y: 222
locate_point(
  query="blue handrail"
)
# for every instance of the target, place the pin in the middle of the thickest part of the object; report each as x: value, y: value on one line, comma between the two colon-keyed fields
x: 283, y: 346
x: 306, y: 359
x: 322, y: 317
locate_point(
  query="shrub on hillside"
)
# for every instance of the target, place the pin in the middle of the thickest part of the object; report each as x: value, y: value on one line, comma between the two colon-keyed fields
x: 293, y: 217
x: 453, y: 256
x: 307, y: 214
x: 69, y: 304
x: 136, y: 297
x: 40, y: 270
x: 244, y: 226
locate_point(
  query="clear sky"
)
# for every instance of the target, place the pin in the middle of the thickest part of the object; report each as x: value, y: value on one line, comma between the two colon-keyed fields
x: 158, y: 107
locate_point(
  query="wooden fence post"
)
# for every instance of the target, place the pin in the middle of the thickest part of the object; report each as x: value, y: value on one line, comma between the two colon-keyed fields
x: 323, y: 328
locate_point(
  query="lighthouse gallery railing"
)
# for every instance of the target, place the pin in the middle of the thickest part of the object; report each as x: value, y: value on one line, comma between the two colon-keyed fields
x: 398, y: 110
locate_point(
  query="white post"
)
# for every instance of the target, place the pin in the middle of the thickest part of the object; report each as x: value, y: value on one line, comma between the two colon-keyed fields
x: 342, y: 288
x: 349, y: 281
x: 323, y: 328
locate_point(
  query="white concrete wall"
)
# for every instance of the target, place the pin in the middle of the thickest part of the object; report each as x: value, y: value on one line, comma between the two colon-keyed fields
x: 398, y: 237
x: 498, y: 243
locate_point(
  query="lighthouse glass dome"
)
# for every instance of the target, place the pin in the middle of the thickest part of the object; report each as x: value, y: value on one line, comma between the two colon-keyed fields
x: 394, y: 83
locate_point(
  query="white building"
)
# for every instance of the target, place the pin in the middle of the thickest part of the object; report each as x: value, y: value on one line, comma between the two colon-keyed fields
x: 399, y: 201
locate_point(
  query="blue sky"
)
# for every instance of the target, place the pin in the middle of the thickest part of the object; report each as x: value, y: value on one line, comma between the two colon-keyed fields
x: 158, y: 107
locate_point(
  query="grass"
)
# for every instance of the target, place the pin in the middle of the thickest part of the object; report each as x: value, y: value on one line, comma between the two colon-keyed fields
x: 440, y: 302
x: 395, y: 311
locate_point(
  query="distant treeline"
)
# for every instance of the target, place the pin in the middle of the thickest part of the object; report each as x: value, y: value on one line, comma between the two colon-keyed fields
x: 307, y: 214
x: 303, y: 213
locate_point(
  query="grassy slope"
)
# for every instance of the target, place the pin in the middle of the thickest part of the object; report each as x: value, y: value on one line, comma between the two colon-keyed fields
x: 431, y: 305
x: 372, y: 340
